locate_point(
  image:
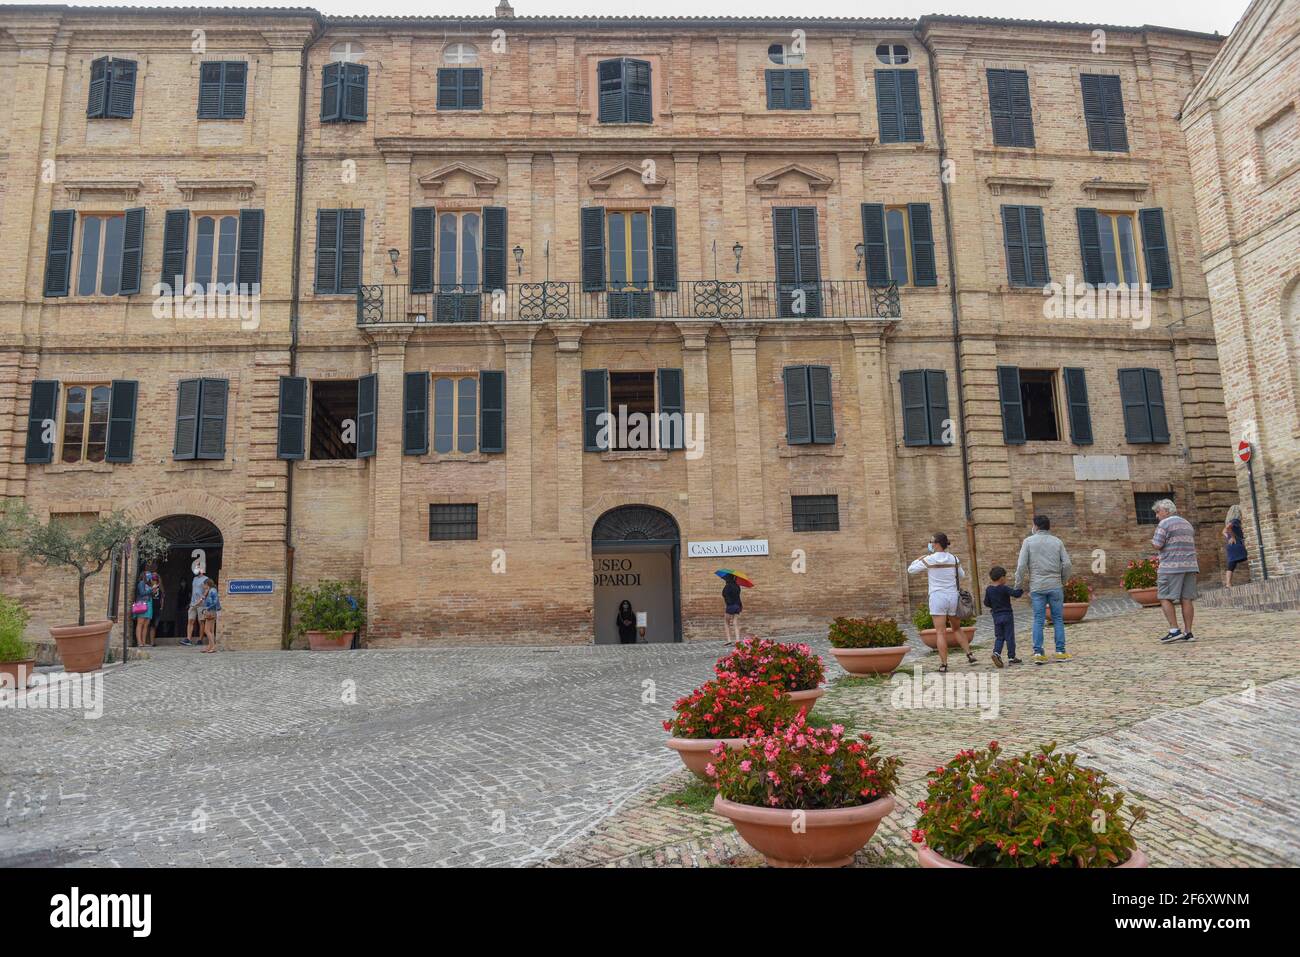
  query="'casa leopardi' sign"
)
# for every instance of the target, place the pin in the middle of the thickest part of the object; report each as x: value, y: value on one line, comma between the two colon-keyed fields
x: 744, y: 546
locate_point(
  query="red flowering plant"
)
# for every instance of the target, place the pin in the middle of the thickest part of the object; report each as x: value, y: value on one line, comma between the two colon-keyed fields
x: 1039, y: 809
x: 790, y: 667
x: 798, y: 766
x: 1077, y: 591
x: 729, y: 706
x: 1141, y: 573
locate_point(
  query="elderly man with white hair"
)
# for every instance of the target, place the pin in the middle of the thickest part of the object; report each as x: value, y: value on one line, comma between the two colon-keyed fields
x: 1175, y: 541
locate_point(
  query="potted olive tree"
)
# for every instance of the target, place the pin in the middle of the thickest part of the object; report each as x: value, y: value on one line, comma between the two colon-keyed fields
x: 329, y: 614
x: 17, y: 659
x: 86, y: 550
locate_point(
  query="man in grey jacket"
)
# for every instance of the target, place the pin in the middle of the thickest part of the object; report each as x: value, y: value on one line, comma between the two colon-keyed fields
x: 1045, y: 566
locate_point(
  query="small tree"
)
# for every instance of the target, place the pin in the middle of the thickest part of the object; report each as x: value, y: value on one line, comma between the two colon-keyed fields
x: 60, y: 544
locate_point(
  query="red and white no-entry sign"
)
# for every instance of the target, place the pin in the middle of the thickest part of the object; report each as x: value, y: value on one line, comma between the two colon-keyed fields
x: 1243, y: 451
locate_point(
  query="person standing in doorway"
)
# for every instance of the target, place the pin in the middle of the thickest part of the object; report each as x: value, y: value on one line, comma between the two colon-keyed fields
x: 944, y: 574
x: 193, y: 615
x: 731, y: 601
x: 1234, y: 543
x: 159, y: 604
x: 1045, y: 566
x: 1175, y: 541
x: 626, y: 622
x: 142, y: 609
x: 211, y: 610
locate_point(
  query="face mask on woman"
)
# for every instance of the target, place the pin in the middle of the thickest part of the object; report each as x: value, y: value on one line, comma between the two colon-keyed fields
x: 929, y: 547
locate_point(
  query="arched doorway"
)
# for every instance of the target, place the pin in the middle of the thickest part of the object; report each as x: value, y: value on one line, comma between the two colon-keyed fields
x: 636, y: 555
x: 195, y: 542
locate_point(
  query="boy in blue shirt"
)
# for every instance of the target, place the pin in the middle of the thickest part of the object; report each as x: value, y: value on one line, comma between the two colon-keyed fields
x: 997, y: 597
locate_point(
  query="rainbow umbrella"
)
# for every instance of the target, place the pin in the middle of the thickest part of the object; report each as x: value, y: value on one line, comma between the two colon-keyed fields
x: 741, y: 578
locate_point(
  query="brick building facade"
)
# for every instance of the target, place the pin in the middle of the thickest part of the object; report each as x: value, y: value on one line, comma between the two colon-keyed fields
x: 501, y: 227
x: 1242, y: 124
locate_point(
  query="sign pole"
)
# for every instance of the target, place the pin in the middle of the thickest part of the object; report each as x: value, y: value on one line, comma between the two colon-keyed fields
x: 1254, y: 507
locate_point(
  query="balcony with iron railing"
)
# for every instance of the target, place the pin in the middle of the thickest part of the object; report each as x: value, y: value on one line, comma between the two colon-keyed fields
x: 389, y: 304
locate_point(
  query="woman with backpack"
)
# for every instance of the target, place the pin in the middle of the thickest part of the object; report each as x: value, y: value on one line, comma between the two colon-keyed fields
x: 945, y: 595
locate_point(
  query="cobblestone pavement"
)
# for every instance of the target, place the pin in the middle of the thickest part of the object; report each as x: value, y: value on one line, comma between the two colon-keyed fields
x: 1204, y: 735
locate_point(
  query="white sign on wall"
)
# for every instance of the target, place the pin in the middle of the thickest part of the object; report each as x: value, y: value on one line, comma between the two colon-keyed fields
x: 1101, y: 468
x: 743, y: 546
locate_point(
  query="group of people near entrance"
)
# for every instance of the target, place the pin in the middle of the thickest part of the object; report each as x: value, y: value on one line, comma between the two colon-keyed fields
x: 202, y: 612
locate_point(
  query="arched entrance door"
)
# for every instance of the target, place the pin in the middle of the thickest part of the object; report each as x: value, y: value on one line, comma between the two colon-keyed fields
x: 636, y: 554
x: 195, y: 542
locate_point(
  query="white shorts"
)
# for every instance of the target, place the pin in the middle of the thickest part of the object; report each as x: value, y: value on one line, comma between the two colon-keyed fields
x: 943, y: 605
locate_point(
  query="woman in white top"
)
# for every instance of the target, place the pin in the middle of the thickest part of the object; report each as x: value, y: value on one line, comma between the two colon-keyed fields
x: 944, y: 571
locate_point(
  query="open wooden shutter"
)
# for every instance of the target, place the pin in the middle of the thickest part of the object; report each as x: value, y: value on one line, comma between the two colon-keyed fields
x: 423, y: 227
x: 212, y: 419
x: 672, y: 427
x: 1155, y: 395
x: 923, y: 268
x: 331, y: 93
x: 887, y: 106
x: 291, y: 435
x: 1076, y: 400
x: 1090, y: 246
x: 783, y: 239
x: 132, y: 252
x: 1013, y: 237
x: 42, y: 415
x: 175, y: 255
x: 492, y: 411
x: 1112, y: 101
x: 593, y: 248
x: 916, y: 420
x: 415, y: 413
x: 121, y: 421
x: 351, y: 234
x: 58, y: 251
x: 936, y: 399
x: 611, y: 85
x: 1093, y: 116
x: 1036, y: 246
x: 1022, y: 112
x: 367, y: 405
x: 1155, y: 248
x: 664, y: 227
x: 121, y: 89
x: 356, y: 78
x: 327, y: 250
x: 1133, y: 400
x: 808, y: 257
x: 494, y: 247
x: 248, y: 263
x: 185, y: 444
x: 97, y: 102
x: 595, y: 403
x: 798, y: 411
x: 823, y: 407
x: 1013, y: 411
x: 873, y: 238
x: 636, y: 87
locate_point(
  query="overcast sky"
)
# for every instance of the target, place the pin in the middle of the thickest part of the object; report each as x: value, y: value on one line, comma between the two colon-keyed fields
x: 1205, y: 15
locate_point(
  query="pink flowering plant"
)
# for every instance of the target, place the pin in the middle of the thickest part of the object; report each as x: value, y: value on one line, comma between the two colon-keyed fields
x: 729, y: 706
x: 798, y: 766
x: 1039, y: 809
x: 1077, y: 591
x: 1141, y: 573
x: 788, y: 666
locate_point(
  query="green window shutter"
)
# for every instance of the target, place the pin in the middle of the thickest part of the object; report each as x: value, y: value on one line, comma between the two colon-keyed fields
x: 873, y: 238
x: 1155, y: 395
x: 415, y: 413
x: 1036, y: 246
x: 888, y: 110
x: 121, y: 421
x: 1133, y: 400
x: 1076, y: 400
x: 185, y: 444
x: 1022, y: 112
x: 367, y: 407
x: 327, y: 250
x: 916, y: 417
x: 909, y: 106
x: 1112, y: 100
x: 823, y: 406
x: 595, y: 403
x: 776, y: 95
x: 593, y: 248
x: 783, y: 236
x: 799, y: 90
x: 936, y: 399
x: 423, y: 226
x: 120, y: 99
x: 808, y: 257
x: 492, y: 411
x: 58, y: 251
x: 42, y: 416
x: 210, y: 74
x: 1013, y: 237
x: 636, y: 87
x: 1103, y: 112
x: 233, y: 88
x: 798, y: 410
x: 612, y: 103
x: 355, y: 79
x: 1093, y: 116
x: 212, y: 419
x: 494, y: 247
x: 923, y: 266
x: 664, y: 227
x: 132, y: 252
x: 672, y: 399
x: 1000, y: 107
x: 291, y: 435
x: 1155, y: 248
x: 1090, y: 246
x: 1013, y: 411
x: 97, y: 103
x: 448, y: 88
x: 351, y: 247
x: 248, y: 261
x: 331, y: 93
x: 176, y: 237
x: 471, y: 88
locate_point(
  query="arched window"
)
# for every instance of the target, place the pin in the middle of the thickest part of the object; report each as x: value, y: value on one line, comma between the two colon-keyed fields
x: 893, y: 54
x: 460, y: 54
x: 349, y: 51
x: 781, y: 55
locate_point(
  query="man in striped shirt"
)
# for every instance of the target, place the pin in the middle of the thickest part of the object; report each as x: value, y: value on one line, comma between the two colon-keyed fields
x: 1175, y: 541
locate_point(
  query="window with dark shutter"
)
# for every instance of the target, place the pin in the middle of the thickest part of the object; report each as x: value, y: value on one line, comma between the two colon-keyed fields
x: 798, y: 269
x: 595, y: 405
x: 798, y: 413
x: 923, y: 267
x: 367, y: 406
x: 623, y: 91
x: 415, y: 413
x: 132, y: 252
x: 672, y: 432
x: 815, y: 513
x: 873, y: 239
x: 423, y: 220
x: 925, y: 406
x: 327, y: 250
x: 936, y: 400
x: 356, y: 78
x: 823, y: 408
x: 1076, y: 400
x: 1090, y: 246
x: 788, y: 90
x: 1026, y: 246
x: 1013, y: 413
x: 1155, y: 248
x: 1009, y: 107
x: 1142, y: 397
x: 248, y: 262
x: 222, y: 89
x: 58, y: 252
x: 331, y: 93
x: 460, y: 88
x: 97, y: 103
x: 494, y: 247
x: 1103, y: 113
x: 184, y: 445
x: 664, y: 227
x: 339, y: 236
x: 212, y: 419
x: 898, y: 106
x: 291, y: 435
x: 42, y: 416
x: 492, y: 411
x: 121, y: 90
x: 121, y: 421
x: 593, y: 248
x: 175, y: 253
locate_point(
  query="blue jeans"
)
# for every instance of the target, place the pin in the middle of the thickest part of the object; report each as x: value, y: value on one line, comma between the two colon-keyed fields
x: 1055, y: 597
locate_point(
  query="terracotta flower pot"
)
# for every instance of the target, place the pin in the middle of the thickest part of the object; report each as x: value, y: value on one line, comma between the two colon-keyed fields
x: 805, y: 699
x: 694, y: 752
x: 931, y: 858
x: 931, y: 637
x: 1146, y: 597
x: 827, y: 838
x: 1074, y: 611
x: 19, y: 673
x: 82, y: 647
x: 330, y: 640
x: 869, y: 661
